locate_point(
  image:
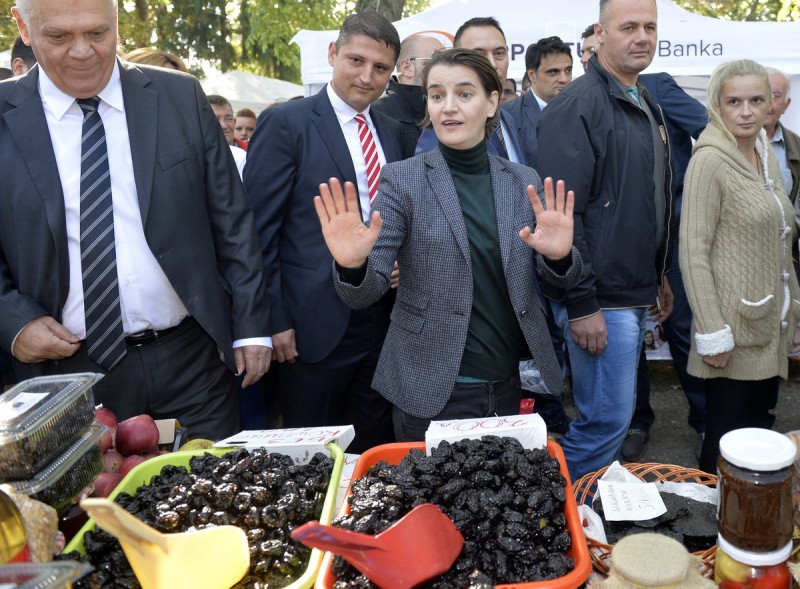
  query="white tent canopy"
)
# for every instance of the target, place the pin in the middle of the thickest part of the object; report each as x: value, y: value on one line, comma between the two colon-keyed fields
x: 688, y: 44
x: 251, y: 91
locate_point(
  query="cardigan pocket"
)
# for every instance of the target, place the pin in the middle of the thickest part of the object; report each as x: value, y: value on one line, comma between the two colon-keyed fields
x: 753, y: 326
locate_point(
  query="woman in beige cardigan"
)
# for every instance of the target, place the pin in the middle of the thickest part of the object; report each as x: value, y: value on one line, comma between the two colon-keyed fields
x: 735, y: 254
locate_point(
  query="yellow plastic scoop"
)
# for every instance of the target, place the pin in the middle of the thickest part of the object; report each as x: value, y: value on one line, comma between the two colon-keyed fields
x: 213, y: 558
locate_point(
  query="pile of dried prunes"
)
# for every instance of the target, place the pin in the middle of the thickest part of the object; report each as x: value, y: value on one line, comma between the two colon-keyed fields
x: 506, y: 501
x: 266, y: 494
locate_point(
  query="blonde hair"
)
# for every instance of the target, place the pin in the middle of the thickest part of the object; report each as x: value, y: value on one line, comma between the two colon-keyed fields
x: 721, y: 76
x: 149, y: 56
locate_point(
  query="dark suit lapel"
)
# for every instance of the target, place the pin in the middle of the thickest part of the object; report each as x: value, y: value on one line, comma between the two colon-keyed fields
x: 441, y: 183
x: 327, y: 125
x: 390, y: 142
x: 28, y: 126
x: 141, y: 112
x: 503, y: 189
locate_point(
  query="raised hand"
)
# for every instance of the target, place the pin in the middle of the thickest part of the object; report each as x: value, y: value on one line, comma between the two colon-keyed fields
x: 554, y: 225
x: 347, y: 238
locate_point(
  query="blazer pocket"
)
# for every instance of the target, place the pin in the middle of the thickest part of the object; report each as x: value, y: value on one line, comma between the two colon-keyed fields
x: 174, y: 158
x: 753, y: 326
x: 409, y: 309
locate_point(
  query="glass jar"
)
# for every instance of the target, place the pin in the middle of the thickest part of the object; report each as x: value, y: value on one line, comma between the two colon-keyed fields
x: 739, y: 569
x: 13, y: 539
x: 756, y: 504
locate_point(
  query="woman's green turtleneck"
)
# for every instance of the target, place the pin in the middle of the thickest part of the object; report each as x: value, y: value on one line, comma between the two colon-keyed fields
x: 494, y: 338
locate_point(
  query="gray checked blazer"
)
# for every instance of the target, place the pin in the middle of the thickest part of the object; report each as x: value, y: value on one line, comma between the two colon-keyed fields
x: 423, y: 229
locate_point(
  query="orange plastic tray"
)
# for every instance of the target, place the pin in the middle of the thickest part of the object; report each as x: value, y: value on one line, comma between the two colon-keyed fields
x: 394, y: 454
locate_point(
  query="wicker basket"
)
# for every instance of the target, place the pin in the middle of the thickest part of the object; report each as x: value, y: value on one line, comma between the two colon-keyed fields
x: 586, y: 487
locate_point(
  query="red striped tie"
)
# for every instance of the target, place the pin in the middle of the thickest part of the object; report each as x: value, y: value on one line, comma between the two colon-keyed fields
x: 370, y: 155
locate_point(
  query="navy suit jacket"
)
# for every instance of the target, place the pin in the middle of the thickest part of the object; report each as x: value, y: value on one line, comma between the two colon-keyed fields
x: 685, y: 118
x: 197, y: 220
x: 428, y: 141
x: 296, y: 147
x: 525, y: 111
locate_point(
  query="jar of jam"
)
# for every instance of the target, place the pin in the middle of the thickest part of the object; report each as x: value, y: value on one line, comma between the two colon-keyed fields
x: 756, y: 503
x: 740, y: 569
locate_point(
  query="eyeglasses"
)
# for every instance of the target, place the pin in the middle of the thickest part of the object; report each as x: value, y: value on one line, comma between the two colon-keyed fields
x: 419, y: 58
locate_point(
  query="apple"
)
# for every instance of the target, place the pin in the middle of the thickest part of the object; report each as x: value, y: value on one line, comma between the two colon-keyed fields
x: 137, y: 435
x: 130, y: 462
x: 112, y: 460
x: 105, y: 483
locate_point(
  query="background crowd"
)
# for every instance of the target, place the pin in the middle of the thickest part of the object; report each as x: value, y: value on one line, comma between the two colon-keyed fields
x: 392, y: 247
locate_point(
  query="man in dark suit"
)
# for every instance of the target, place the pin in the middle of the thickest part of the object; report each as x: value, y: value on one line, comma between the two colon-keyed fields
x: 171, y: 238
x: 548, y: 63
x: 326, y: 352
x: 484, y: 35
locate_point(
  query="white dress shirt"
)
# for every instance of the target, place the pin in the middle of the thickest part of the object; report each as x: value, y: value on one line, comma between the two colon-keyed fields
x: 147, y: 299
x: 346, y: 115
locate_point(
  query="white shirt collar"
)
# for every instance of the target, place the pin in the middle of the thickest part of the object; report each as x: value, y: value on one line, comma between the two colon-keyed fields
x: 541, y: 102
x: 59, y: 102
x: 344, y: 112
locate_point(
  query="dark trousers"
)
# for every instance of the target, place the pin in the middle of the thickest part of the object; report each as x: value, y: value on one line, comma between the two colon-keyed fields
x: 733, y: 404
x: 178, y: 376
x: 468, y: 400
x: 338, y: 390
x: 678, y: 331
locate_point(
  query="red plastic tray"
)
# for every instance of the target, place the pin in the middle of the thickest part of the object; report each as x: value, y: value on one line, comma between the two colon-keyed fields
x: 394, y: 454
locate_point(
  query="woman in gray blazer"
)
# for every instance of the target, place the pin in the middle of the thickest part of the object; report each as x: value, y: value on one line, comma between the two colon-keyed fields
x: 459, y: 223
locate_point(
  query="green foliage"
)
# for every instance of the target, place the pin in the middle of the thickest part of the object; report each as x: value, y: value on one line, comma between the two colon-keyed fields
x: 8, y: 27
x: 747, y: 10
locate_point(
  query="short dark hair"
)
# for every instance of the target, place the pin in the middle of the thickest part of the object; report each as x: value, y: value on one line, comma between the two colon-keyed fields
x: 478, y: 63
x: 370, y: 24
x: 588, y: 32
x: 478, y: 21
x: 217, y: 100
x: 22, y: 51
x: 543, y: 47
x: 513, y: 81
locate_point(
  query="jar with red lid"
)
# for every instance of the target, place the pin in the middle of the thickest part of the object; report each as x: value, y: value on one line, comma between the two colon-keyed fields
x: 756, y: 504
x: 740, y: 569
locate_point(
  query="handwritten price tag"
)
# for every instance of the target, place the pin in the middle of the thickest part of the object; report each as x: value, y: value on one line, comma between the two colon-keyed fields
x: 530, y: 430
x: 300, y: 443
x: 630, y: 501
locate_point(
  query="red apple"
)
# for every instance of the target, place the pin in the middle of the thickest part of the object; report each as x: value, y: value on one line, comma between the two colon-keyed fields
x: 106, y: 417
x: 137, y: 435
x: 112, y: 460
x: 105, y: 483
x: 129, y: 463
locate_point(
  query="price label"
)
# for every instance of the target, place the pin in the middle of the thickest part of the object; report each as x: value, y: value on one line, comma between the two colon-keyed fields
x: 630, y: 501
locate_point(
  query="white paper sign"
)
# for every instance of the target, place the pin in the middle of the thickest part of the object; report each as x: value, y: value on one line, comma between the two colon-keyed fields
x: 301, y: 443
x: 630, y: 501
x: 530, y: 430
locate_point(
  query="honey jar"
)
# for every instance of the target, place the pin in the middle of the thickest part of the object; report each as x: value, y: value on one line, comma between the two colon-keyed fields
x: 756, y: 504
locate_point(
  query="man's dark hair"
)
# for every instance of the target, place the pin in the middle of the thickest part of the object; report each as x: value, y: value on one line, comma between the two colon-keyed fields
x: 478, y: 21
x: 24, y: 52
x: 543, y: 47
x: 513, y: 81
x: 588, y: 32
x: 372, y: 25
x: 217, y: 100
x: 5, y: 73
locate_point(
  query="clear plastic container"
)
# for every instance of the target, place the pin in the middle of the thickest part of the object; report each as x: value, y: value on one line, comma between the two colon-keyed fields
x: 740, y: 569
x: 49, y: 575
x: 62, y: 481
x: 41, y: 417
x: 756, y: 503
